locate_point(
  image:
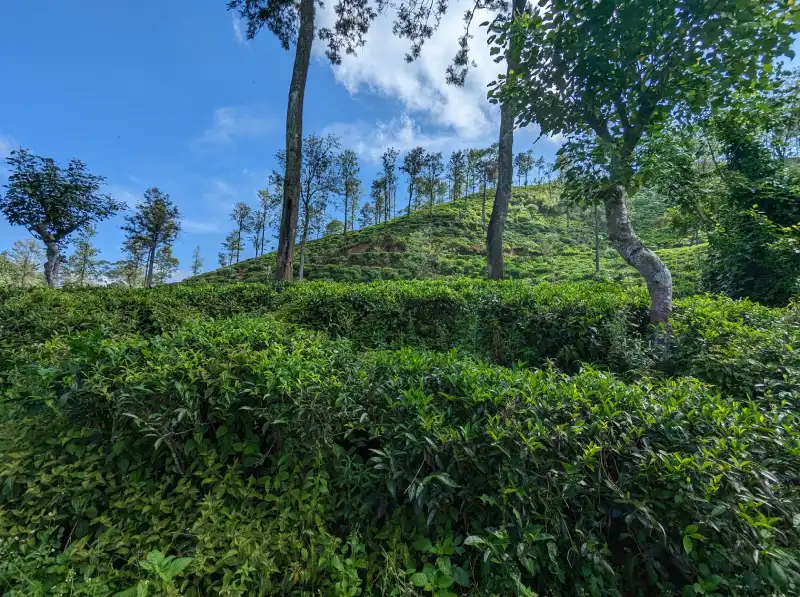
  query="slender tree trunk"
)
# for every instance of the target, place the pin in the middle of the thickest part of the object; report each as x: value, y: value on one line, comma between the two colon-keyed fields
x: 483, y: 207
x: 303, y: 241
x: 410, y: 196
x: 635, y: 253
x: 596, y: 240
x: 151, y: 259
x: 238, y: 243
x: 294, y: 143
x: 346, y: 208
x: 505, y: 173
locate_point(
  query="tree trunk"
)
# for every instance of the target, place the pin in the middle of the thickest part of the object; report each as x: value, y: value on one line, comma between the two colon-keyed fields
x: 596, y: 240
x: 346, y: 208
x: 410, y: 196
x: 483, y: 207
x: 303, y: 241
x: 151, y: 259
x: 53, y: 264
x: 294, y: 143
x: 505, y: 173
x: 635, y: 253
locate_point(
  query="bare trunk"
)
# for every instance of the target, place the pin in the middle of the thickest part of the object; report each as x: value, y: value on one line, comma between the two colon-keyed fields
x: 505, y: 174
x: 346, y: 208
x: 410, y: 196
x: 596, y: 240
x: 303, y: 241
x: 294, y: 143
x: 635, y: 253
x: 52, y: 266
x: 151, y: 260
x: 483, y: 207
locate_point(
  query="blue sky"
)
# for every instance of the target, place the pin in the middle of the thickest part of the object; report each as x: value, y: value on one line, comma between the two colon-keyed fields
x: 168, y: 96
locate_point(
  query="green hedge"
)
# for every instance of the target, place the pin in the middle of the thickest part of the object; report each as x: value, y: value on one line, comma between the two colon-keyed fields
x: 281, y: 462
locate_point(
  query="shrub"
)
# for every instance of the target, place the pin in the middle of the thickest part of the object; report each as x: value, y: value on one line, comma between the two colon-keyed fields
x: 282, y: 462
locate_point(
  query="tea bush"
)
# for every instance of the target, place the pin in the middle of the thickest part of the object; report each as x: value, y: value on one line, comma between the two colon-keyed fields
x: 284, y: 462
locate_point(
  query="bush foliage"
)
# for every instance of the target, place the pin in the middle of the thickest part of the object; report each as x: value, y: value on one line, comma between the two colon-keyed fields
x: 386, y: 439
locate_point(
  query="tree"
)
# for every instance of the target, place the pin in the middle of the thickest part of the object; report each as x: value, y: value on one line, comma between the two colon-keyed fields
x: 197, y: 261
x: 334, y: 227
x: 53, y: 202
x: 413, y: 162
x: 83, y: 267
x: 155, y: 224
x: 348, y: 33
x: 350, y: 186
x: 486, y: 170
x: 240, y: 214
x: 456, y: 170
x: 320, y: 178
x: 388, y: 160
x: 378, y: 195
x: 222, y: 259
x: 432, y: 173
x: 524, y: 163
x: 25, y: 258
x: 647, y: 60
x: 366, y: 215
x: 232, y: 245
x: 166, y: 265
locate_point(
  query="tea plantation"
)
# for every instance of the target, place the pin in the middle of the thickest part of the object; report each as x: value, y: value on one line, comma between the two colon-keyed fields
x: 429, y: 438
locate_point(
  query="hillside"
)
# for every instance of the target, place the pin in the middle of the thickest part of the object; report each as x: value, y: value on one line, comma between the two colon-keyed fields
x: 543, y: 242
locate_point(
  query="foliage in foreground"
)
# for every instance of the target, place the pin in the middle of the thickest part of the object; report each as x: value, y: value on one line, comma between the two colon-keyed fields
x: 282, y: 462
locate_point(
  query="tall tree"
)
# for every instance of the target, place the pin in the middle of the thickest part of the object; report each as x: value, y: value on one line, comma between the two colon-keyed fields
x: 240, y: 214
x: 505, y: 158
x: 222, y: 258
x: 83, y: 267
x: 26, y: 257
x: 389, y: 161
x: 456, y: 171
x: 166, y: 265
x: 432, y: 173
x: 366, y: 215
x: 412, y: 165
x: 53, y: 202
x: 155, y: 224
x: 320, y: 178
x: 232, y: 245
x: 197, y: 261
x: 524, y: 163
x: 647, y: 60
x: 378, y: 195
x: 350, y: 188
x: 282, y: 18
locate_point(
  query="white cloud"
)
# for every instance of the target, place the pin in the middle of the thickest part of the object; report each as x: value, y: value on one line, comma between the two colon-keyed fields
x: 370, y: 140
x: 178, y: 276
x: 125, y: 195
x: 7, y: 145
x: 199, y: 226
x: 238, y: 33
x: 232, y: 122
x: 431, y: 106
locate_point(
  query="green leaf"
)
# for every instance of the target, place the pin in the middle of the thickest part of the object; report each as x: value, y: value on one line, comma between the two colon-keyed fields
x: 418, y: 579
x: 687, y: 544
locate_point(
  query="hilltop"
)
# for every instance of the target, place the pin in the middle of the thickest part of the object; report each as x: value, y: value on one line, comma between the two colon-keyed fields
x: 545, y: 241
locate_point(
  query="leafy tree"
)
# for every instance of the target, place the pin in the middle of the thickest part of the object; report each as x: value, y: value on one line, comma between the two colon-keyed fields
x: 293, y: 22
x: 378, y: 195
x: 366, y: 215
x: 7, y: 269
x: 197, y: 261
x: 432, y: 174
x: 320, y: 178
x: 231, y: 246
x: 456, y: 172
x: 155, y: 224
x: 83, y: 267
x: 26, y: 257
x: 53, y: 202
x: 486, y: 169
x: 524, y: 162
x: 350, y: 189
x: 240, y: 214
x: 334, y: 227
x: 413, y: 163
x: 166, y: 264
x: 647, y: 59
x: 222, y: 259
x: 388, y: 160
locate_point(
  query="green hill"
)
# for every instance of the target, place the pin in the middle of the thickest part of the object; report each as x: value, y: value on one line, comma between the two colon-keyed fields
x: 544, y: 242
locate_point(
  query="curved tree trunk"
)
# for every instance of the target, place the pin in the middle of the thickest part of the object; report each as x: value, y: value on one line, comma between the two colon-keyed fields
x: 52, y: 266
x: 294, y: 143
x: 635, y: 253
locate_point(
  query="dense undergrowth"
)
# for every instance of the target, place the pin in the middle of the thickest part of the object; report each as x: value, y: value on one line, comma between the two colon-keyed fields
x: 404, y: 438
